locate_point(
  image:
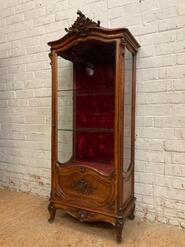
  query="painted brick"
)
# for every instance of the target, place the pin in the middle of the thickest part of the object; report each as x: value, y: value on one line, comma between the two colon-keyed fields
x: 157, y: 133
x: 180, y: 132
x: 175, y: 145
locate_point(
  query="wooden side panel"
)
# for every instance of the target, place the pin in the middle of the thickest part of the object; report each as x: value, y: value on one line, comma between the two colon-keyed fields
x: 127, y: 189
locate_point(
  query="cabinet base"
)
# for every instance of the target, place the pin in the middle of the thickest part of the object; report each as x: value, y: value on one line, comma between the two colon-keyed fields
x: 84, y: 215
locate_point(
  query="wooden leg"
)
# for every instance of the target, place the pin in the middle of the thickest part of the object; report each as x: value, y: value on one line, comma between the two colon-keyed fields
x: 52, y: 212
x: 132, y: 215
x: 119, y: 228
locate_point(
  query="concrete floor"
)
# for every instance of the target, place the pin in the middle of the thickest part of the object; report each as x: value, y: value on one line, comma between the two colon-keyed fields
x: 23, y: 222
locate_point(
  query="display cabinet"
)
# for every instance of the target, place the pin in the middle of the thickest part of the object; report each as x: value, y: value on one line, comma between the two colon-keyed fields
x: 93, y: 123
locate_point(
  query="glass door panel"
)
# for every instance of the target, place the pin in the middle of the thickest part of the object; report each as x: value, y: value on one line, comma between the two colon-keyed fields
x: 86, y: 102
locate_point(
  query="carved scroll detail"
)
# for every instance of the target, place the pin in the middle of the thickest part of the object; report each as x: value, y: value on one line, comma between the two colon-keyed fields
x: 82, y: 24
x: 50, y: 56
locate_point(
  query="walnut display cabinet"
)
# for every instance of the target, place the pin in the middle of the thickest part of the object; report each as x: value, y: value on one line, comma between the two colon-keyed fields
x: 93, y: 123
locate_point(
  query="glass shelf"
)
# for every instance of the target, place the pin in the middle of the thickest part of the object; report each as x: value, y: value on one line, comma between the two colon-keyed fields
x: 88, y: 130
x: 85, y: 93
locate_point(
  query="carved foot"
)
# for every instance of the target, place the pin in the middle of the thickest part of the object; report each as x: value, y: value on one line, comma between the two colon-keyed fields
x: 119, y: 228
x: 132, y: 215
x: 52, y: 212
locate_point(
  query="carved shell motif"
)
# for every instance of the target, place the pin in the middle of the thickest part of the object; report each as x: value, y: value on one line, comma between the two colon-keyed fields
x: 82, y: 24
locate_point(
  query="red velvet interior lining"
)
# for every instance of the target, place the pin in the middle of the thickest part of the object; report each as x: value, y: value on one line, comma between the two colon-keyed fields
x: 95, y: 111
x: 94, y: 118
x: 94, y: 146
x: 102, y: 82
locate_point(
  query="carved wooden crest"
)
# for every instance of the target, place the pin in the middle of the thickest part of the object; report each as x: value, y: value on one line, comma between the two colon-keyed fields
x: 82, y: 24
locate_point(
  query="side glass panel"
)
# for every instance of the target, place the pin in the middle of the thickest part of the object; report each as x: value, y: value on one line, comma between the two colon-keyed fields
x: 65, y: 109
x: 127, y: 109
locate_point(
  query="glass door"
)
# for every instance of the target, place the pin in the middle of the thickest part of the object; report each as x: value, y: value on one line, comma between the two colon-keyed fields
x: 86, y: 105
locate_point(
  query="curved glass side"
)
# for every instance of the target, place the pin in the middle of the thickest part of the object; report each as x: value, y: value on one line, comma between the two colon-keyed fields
x: 127, y: 109
x: 65, y: 109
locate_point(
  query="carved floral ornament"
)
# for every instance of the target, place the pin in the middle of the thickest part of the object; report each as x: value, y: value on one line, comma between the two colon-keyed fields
x: 82, y: 24
x: 83, y: 186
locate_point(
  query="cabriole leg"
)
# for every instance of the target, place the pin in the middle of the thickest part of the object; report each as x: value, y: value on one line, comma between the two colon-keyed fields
x: 119, y: 228
x: 132, y: 213
x: 52, y: 212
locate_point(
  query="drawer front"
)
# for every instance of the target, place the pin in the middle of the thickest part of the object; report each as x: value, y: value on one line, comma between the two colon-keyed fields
x: 86, y: 187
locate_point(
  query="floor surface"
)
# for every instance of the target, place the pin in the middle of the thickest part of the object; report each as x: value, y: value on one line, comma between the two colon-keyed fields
x: 23, y: 223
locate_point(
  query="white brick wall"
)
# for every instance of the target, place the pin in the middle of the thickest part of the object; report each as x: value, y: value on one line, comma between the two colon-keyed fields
x: 27, y: 25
